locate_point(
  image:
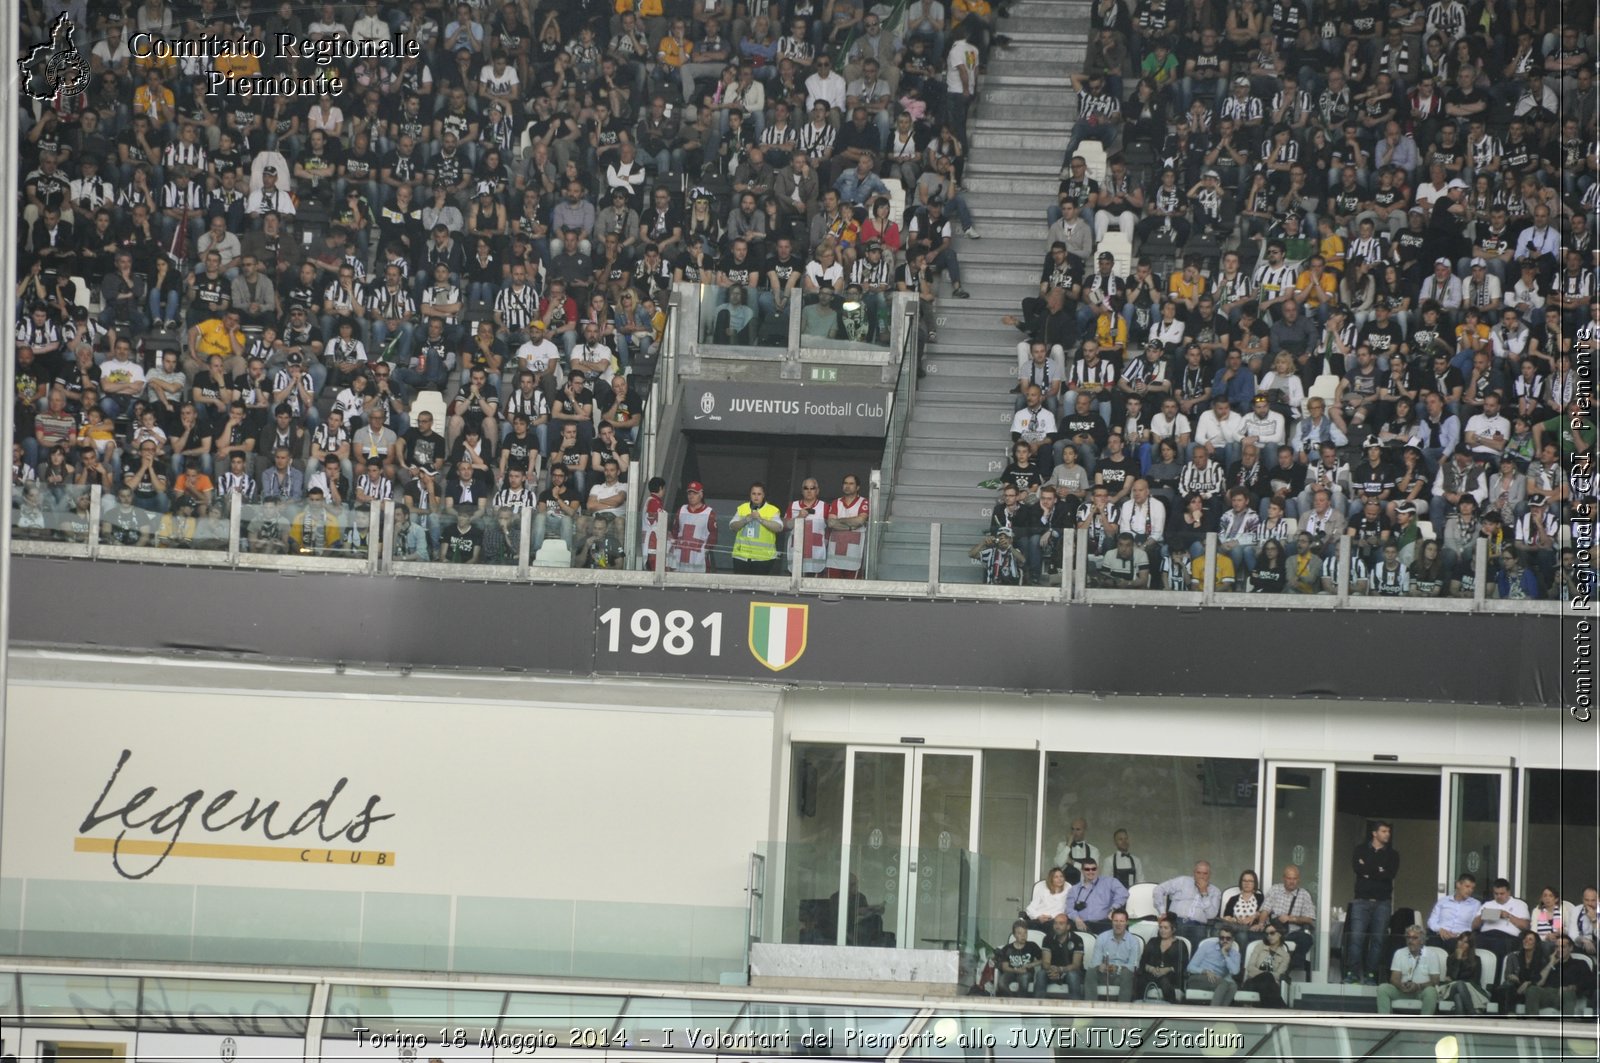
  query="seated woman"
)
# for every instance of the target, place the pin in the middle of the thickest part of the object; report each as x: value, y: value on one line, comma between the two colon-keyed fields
x: 1265, y: 966
x: 1048, y: 901
x: 1243, y: 910
x: 1463, y: 975
x: 1163, y: 963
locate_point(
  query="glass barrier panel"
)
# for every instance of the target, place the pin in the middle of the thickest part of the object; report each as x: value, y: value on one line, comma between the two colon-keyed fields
x: 95, y: 1001
x: 58, y: 513
x: 188, y: 1005
x: 848, y: 320
x: 742, y: 315
x: 971, y: 552
x: 311, y: 527
x: 558, y: 1014
x: 408, y: 1009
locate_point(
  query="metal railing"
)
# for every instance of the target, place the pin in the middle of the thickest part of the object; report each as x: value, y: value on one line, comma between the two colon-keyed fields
x: 887, y: 474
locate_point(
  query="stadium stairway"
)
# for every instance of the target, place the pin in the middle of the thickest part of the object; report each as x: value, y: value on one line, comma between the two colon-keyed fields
x: 959, y: 429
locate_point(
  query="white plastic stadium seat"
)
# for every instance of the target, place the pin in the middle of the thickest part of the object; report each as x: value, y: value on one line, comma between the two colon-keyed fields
x: 553, y: 553
x: 1141, y: 903
x: 264, y: 159
x: 1325, y: 387
x: 429, y: 402
x: 1425, y: 529
x: 1094, y: 159
x: 897, y: 196
x: 1120, y: 244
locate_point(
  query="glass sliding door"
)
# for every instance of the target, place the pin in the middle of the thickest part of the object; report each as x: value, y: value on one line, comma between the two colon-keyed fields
x: 1298, y: 808
x: 946, y: 834
x: 870, y: 904
x: 1475, y: 816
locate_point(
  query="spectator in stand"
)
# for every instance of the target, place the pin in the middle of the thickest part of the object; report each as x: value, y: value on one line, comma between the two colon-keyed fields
x: 1414, y: 974
x: 1193, y: 900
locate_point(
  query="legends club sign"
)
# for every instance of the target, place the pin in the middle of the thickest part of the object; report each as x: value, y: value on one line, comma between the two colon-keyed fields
x: 788, y: 409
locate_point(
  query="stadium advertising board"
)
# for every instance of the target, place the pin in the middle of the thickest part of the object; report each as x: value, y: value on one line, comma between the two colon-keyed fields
x: 174, y: 787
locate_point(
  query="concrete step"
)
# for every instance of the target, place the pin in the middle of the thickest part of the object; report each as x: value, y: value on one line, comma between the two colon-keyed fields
x: 1020, y: 145
x: 1023, y: 234
x: 1041, y: 124
x: 968, y: 431
x: 1011, y: 252
x: 1024, y: 78
x: 976, y: 460
x: 961, y: 517
x: 1039, y: 166
x: 939, y: 408
x: 1058, y: 99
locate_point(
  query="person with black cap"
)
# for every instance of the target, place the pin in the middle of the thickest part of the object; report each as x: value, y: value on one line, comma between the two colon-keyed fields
x: 1534, y: 536
x: 1456, y: 479
x: 269, y: 197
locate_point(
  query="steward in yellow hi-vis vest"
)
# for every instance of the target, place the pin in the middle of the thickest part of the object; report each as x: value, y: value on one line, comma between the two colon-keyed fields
x: 756, y: 525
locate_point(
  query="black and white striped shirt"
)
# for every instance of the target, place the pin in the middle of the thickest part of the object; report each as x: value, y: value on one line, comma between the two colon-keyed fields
x: 515, y: 306
x: 515, y: 499
x: 1098, y: 105
x: 1206, y: 482
x: 188, y: 197
x: 1242, y: 111
x: 342, y: 299
x: 870, y: 274
x: 178, y: 153
x: 816, y: 142
x: 390, y: 304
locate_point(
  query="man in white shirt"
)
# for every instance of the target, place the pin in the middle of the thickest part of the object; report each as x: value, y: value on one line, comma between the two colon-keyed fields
x: 1414, y: 974
x: 121, y: 381
x: 1541, y: 238
x: 1499, y: 924
x: 591, y: 357
x: 1267, y: 427
x: 960, y: 82
x: 536, y: 356
x: 826, y: 85
x: 1033, y: 424
x: 1220, y: 428
x: 1487, y: 432
x: 269, y: 198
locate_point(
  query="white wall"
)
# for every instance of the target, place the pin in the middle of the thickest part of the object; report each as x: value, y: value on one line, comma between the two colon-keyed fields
x: 1217, y: 727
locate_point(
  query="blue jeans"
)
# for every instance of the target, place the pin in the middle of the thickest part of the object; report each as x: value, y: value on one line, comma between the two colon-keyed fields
x: 1366, y: 925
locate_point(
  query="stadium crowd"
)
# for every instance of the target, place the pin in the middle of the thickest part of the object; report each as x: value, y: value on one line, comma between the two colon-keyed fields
x: 1315, y: 272
x: 447, y: 285
x: 1094, y: 929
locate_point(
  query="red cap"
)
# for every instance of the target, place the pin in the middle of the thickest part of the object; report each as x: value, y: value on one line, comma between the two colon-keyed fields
x: 696, y: 485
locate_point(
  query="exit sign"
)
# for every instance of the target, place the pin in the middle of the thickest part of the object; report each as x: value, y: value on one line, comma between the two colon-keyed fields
x: 825, y: 373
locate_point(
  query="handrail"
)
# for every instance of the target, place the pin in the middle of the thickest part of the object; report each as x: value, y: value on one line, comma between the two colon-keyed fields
x: 905, y: 394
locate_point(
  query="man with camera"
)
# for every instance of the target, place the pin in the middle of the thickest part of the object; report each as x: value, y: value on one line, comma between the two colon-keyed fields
x: 1091, y: 902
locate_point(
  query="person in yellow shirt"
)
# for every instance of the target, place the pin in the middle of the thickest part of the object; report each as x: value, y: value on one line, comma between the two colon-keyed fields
x: 1222, y: 581
x: 1316, y: 288
x: 316, y: 530
x: 1332, y: 247
x: 217, y: 336
x: 675, y: 48
x: 1111, y: 331
x: 1187, y: 285
x: 154, y: 100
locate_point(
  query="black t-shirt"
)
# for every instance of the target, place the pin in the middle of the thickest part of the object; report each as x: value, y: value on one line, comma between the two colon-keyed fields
x: 617, y: 450
x: 1018, y: 955
x: 1383, y: 338
x: 1085, y: 424
x: 520, y: 451
x: 1062, y: 949
x: 458, y: 545
x: 1025, y: 479
x: 423, y: 450
x: 1114, y: 474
